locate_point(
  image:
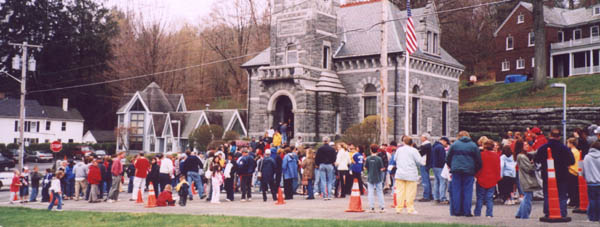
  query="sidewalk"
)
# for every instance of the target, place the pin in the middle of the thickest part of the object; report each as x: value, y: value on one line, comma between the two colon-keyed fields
x: 316, y: 209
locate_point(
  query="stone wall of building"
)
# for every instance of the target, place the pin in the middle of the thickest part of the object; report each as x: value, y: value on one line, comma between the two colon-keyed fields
x: 497, y: 122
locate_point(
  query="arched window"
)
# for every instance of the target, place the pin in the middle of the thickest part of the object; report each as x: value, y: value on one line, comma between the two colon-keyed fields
x: 370, y: 100
x: 415, y: 111
x: 291, y: 53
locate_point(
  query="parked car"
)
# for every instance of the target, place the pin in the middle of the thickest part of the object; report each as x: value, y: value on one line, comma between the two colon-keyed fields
x: 6, y: 179
x: 6, y: 163
x: 100, y: 153
x: 82, y: 151
x: 12, y: 154
x: 38, y: 156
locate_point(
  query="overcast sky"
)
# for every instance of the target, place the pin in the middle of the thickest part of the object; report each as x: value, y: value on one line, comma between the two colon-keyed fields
x: 172, y: 10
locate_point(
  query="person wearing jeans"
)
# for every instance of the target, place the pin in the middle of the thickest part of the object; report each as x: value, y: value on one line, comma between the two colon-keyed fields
x: 591, y: 170
x: 487, y: 178
x: 56, y: 191
x: 527, y: 179
x: 425, y: 151
x: 35, y: 184
x: 438, y: 156
x: 324, y: 162
x: 116, y: 171
x: 464, y: 160
x: 246, y: 166
x: 374, y: 166
x: 191, y: 168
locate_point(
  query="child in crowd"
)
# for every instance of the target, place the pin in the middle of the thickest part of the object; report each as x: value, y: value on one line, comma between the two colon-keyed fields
x: 182, y: 190
x: 24, y: 189
x: 15, y: 186
x: 56, y: 191
x: 229, y: 179
x: 573, y: 176
x: 375, y: 167
x: 46, y: 185
x: 166, y: 197
x: 216, y: 179
x: 487, y: 178
x: 509, y: 174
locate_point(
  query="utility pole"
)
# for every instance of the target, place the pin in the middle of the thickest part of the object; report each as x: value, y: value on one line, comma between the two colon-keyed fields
x: 384, y: 75
x: 23, y: 81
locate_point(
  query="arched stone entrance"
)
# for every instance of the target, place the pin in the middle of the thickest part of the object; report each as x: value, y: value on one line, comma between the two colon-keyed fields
x: 281, y: 109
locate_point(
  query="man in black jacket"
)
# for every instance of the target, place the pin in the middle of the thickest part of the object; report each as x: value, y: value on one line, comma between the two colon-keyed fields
x: 425, y: 151
x: 191, y: 168
x: 324, y: 162
x: 563, y: 158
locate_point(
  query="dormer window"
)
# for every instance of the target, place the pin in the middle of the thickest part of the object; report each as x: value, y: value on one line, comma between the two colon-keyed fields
x: 520, y: 19
x: 596, y: 10
x: 509, y: 43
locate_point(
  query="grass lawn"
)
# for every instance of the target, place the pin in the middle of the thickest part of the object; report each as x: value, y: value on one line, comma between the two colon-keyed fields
x: 581, y: 91
x: 14, y: 216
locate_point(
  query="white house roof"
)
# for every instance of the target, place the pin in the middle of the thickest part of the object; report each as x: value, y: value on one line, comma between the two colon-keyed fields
x: 9, y: 107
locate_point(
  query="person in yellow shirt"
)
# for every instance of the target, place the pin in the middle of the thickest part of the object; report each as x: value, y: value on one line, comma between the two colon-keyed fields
x: 573, y: 187
x: 277, y: 139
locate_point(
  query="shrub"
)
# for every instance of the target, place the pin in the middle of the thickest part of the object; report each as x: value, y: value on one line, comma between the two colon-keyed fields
x: 231, y: 135
x: 365, y: 133
x: 204, y: 135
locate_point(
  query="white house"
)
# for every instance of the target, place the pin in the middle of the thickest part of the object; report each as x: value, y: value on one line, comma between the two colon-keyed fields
x: 154, y: 121
x: 99, y: 136
x: 43, y: 124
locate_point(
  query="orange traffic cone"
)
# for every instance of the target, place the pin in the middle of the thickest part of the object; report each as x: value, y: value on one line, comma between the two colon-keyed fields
x: 17, y: 198
x: 139, y: 197
x: 583, y: 194
x: 151, y: 197
x: 194, y: 189
x: 355, y: 203
x: 395, y: 199
x: 553, y: 201
x: 280, y: 198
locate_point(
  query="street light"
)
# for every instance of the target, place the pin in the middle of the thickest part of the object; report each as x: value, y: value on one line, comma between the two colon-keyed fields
x: 178, y: 134
x: 564, y: 121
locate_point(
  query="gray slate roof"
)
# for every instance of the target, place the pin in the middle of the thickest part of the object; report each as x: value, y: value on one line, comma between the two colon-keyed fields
x: 9, y: 107
x: 103, y: 135
x: 565, y: 17
x: 155, y: 98
x: 365, y: 43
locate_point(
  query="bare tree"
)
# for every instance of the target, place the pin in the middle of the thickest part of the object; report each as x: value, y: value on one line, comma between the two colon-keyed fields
x: 539, y: 27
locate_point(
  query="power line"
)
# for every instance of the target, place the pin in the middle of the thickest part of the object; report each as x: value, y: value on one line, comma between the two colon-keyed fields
x: 366, y: 29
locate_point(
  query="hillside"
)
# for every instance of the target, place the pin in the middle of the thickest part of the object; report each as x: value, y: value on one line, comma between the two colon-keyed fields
x: 581, y: 91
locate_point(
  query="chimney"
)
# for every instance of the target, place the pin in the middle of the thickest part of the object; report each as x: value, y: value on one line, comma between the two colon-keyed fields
x: 65, y: 105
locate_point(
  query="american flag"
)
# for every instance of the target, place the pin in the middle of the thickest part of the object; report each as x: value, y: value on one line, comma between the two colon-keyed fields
x: 411, y: 38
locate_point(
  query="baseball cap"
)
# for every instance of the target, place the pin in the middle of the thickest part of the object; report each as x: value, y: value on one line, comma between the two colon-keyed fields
x: 268, y: 152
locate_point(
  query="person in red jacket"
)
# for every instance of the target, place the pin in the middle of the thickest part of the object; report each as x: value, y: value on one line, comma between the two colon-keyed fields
x: 166, y: 197
x: 540, y: 139
x: 487, y: 178
x: 94, y: 179
x: 15, y: 186
x: 142, y: 167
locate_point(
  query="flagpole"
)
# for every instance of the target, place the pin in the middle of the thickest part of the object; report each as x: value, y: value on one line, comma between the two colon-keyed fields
x: 406, y: 98
x: 383, y: 137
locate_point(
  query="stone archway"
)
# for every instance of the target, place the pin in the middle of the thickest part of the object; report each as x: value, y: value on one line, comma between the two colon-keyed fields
x: 281, y: 108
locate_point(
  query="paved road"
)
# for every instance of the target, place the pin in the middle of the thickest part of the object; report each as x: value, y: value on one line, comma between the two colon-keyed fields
x: 309, y: 209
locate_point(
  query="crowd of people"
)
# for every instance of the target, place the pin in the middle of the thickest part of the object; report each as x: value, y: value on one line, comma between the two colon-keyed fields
x: 513, y: 170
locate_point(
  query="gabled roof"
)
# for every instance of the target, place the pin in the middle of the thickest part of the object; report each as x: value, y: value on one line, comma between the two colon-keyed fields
x: 159, y: 123
x: 9, y: 107
x: 557, y: 17
x: 103, y: 135
x: 154, y: 98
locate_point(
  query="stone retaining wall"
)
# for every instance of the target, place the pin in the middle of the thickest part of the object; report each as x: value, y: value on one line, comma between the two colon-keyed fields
x: 500, y: 121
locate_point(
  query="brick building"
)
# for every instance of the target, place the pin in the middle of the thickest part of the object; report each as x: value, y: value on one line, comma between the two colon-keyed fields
x: 321, y: 74
x: 572, y: 42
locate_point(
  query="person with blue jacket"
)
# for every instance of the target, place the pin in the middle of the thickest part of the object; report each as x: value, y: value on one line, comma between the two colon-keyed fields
x: 289, y: 168
x: 358, y: 159
x: 464, y: 160
x: 267, y: 169
x: 438, y: 160
x: 246, y: 166
x: 70, y: 180
x: 591, y: 173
